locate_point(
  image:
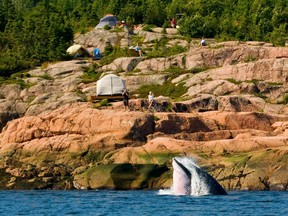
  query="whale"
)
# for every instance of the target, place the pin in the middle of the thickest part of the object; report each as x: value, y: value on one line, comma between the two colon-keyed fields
x: 190, y: 179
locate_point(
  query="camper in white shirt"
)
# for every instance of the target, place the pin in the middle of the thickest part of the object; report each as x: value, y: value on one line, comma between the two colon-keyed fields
x: 150, y: 99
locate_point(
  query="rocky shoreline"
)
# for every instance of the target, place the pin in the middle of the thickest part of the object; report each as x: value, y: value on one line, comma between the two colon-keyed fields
x: 233, y: 121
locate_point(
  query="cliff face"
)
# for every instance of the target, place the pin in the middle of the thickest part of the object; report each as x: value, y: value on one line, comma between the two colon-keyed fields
x: 234, y: 123
x: 79, y: 146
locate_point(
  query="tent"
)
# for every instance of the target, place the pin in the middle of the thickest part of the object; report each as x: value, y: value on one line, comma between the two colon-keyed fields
x: 108, y: 19
x: 96, y: 54
x: 110, y: 85
x: 77, y: 50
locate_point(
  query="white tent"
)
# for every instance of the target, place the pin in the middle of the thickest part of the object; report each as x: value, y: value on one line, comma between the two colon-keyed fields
x: 77, y: 50
x: 110, y: 85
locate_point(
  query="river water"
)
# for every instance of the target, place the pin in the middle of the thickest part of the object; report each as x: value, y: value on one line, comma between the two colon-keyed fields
x: 113, y: 202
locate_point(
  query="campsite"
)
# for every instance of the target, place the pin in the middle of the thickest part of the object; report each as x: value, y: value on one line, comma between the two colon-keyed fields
x: 109, y: 87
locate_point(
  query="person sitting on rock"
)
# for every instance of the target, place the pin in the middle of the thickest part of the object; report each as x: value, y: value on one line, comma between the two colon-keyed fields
x: 138, y: 49
x: 203, y: 42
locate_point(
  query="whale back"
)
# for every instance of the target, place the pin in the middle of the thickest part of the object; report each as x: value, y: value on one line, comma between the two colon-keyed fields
x: 189, y: 178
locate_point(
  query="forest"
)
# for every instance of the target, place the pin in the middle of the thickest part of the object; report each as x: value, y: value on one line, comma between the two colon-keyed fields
x: 36, y: 31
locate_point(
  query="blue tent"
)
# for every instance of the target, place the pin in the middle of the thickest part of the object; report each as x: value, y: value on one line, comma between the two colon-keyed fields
x: 96, y: 54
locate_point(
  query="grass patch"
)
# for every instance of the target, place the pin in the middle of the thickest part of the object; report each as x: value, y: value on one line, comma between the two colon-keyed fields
x: 199, y: 69
x: 93, y: 156
x: 16, y: 78
x: 163, y: 51
x: 233, y: 81
x: 103, y: 102
x: 254, y: 81
x: 148, y: 28
x: 250, y: 58
x: 275, y: 83
x: 90, y: 74
x: 137, y: 39
x: 167, y: 89
x: 260, y: 95
x: 285, y: 99
x: 235, y: 157
x: 175, y: 71
x: 114, y: 53
x: 239, y: 159
x: 46, y: 76
x: 203, y: 155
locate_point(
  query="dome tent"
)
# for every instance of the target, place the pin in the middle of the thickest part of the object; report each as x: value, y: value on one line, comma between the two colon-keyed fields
x: 110, y: 85
x: 77, y: 50
x: 109, y: 20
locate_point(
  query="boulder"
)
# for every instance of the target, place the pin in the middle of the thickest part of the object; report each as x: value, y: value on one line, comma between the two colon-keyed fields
x: 126, y: 63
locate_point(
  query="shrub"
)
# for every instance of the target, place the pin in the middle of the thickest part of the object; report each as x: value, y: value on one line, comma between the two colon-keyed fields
x: 160, y: 50
x: 103, y: 102
x: 90, y: 74
x: 199, y: 69
x: 167, y: 89
x: 175, y: 71
x: 250, y: 58
x: 233, y: 81
x: 285, y: 99
x: 106, y: 27
x: 148, y: 27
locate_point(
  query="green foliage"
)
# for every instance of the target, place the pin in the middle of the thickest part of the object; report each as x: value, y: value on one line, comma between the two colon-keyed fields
x: 199, y: 69
x: 250, y: 58
x: 37, y: 31
x: 93, y: 156
x: 103, y: 102
x: 176, y: 71
x: 285, y: 99
x: 30, y: 38
x: 46, y: 76
x: 90, y: 74
x: 167, y: 89
x: 254, y: 81
x: 161, y: 49
x: 137, y: 39
x: 234, y: 81
x: 107, y: 27
x: 16, y: 78
x: 112, y: 53
x: 148, y: 28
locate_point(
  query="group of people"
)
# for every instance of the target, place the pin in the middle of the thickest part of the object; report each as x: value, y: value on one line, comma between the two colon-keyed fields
x: 126, y: 96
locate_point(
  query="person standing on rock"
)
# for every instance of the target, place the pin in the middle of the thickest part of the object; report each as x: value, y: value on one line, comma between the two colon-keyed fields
x: 150, y: 99
x: 173, y: 23
x: 126, y: 99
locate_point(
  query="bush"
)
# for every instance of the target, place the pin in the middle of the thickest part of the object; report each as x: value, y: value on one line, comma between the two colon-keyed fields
x: 285, y: 99
x: 167, y: 89
x: 148, y: 28
x: 103, y: 102
x: 106, y: 27
x: 90, y: 74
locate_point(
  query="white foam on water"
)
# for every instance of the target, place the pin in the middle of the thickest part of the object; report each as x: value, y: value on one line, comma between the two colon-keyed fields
x: 165, y: 192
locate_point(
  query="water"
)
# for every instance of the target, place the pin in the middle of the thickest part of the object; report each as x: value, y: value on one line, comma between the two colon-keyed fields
x: 112, y: 202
